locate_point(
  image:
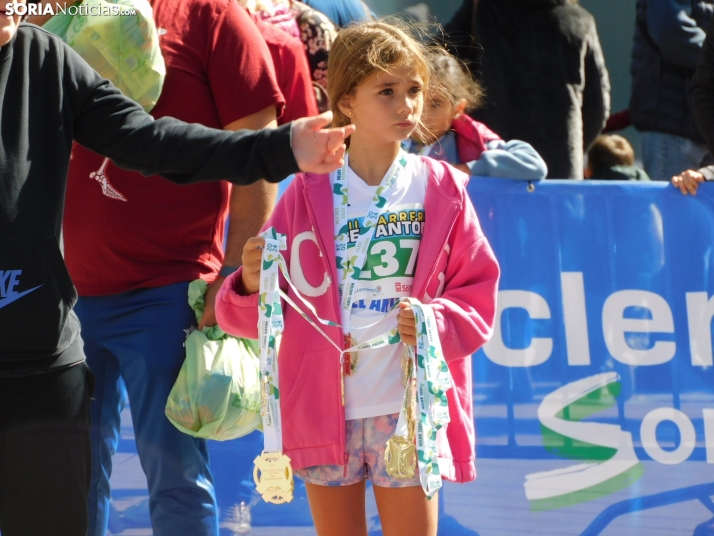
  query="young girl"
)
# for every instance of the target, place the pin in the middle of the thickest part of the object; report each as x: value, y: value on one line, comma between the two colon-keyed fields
x: 453, y: 136
x: 426, y: 245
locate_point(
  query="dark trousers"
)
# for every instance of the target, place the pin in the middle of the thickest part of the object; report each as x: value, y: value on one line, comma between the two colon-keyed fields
x: 45, y: 452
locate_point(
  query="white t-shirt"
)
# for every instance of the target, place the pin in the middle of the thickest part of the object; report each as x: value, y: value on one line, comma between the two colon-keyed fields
x: 375, y: 387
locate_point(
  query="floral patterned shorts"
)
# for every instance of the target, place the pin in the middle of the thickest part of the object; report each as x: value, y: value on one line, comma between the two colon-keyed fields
x: 366, y: 441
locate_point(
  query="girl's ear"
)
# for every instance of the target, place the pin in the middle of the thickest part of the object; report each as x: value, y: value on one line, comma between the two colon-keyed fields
x: 460, y: 107
x: 345, y: 105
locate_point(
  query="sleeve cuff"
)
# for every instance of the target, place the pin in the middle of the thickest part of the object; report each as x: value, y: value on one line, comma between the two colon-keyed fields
x: 229, y: 292
x: 279, y: 153
x: 708, y: 173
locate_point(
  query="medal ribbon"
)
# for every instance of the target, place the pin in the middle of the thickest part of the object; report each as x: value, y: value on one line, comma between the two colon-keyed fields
x: 432, y: 381
x: 349, y: 265
x: 270, y: 329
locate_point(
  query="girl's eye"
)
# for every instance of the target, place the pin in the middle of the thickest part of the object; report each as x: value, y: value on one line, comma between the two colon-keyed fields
x: 415, y: 89
x: 387, y: 91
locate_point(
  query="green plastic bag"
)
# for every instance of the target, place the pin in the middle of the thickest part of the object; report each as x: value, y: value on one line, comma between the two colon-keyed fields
x: 122, y: 48
x: 217, y: 392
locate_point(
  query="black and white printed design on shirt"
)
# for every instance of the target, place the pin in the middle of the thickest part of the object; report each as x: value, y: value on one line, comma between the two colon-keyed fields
x: 101, y: 177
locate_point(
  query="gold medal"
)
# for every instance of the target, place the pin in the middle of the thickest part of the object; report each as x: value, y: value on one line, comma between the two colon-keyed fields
x: 274, y: 477
x: 353, y: 355
x: 400, y: 457
x: 400, y: 453
x: 350, y: 357
x: 406, y: 366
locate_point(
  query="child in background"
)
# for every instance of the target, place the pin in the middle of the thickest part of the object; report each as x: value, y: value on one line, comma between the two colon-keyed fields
x: 426, y: 245
x: 450, y: 134
x: 611, y: 157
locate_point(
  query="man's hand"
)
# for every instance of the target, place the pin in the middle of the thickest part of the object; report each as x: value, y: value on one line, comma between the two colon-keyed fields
x: 407, y: 324
x: 252, y: 259
x: 688, y: 182
x: 317, y: 150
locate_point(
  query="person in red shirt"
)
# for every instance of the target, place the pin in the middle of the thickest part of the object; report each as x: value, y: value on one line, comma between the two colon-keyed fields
x: 291, y: 70
x: 132, y: 254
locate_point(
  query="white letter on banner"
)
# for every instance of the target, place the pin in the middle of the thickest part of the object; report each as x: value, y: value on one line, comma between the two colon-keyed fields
x: 614, y: 327
x: 575, y: 318
x: 540, y: 348
x: 700, y: 310
x: 708, y: 418
x: 687, y: 436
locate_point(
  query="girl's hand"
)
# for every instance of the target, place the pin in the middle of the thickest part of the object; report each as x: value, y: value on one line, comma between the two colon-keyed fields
x: 407, y: 324
x: 252, y: 259
x: 688, y: 182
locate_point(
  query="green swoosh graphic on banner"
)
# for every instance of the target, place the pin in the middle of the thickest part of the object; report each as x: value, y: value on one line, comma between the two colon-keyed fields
x: 614, y: 462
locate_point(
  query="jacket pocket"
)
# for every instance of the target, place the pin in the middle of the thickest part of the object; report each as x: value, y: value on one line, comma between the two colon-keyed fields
x: 36, y: 297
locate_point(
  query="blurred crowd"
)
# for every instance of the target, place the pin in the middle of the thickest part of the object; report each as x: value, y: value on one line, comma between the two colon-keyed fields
x: 528, y: 88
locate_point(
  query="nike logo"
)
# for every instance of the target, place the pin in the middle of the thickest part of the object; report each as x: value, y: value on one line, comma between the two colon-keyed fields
x: 15, y: 296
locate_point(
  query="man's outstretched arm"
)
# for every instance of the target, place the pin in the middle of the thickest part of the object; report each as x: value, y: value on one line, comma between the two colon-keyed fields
x: 110, y: 124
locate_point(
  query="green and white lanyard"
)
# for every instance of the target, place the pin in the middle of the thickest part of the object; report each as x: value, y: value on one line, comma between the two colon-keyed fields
x: 433, y: 379
x: 350, y: 264
x: 270, y: 330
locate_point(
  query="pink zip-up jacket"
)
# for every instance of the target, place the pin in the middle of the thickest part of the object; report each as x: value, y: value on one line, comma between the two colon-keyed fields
x: 456, y: 273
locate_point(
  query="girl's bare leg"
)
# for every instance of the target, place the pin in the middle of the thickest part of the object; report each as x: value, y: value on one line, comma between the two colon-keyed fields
x: 339, y: 510
x: 407, y: 511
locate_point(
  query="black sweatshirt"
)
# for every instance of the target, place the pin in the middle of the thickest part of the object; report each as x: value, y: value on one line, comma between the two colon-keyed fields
x: 49, y: 96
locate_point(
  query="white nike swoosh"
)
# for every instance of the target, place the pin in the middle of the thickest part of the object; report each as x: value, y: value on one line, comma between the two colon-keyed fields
x: 16, y: 296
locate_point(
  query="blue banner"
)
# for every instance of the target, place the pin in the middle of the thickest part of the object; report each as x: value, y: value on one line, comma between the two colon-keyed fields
x: 594, y: 400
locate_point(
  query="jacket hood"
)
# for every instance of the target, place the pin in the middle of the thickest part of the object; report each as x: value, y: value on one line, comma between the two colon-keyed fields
x: 471, y: 137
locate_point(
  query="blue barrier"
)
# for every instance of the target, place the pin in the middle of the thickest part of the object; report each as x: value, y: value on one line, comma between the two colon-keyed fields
x: 598, y: 379
x: 594, y: 401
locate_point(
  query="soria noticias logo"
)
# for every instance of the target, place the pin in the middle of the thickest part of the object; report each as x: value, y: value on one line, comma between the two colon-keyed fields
x: 17, y: 8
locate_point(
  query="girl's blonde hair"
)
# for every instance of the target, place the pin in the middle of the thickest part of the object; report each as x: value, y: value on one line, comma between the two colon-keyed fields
x: 453, y: 80
x: 366, y: 48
